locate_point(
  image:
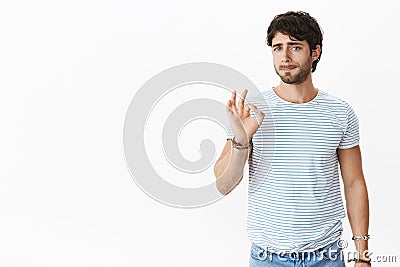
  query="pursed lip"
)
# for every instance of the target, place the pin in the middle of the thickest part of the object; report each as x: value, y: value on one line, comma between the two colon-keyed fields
x: 287, y: 67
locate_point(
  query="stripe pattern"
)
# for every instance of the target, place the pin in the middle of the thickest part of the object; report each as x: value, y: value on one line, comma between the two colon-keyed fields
x: 294, y: 198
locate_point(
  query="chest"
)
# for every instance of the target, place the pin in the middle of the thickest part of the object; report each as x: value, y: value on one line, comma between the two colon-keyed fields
x: 304, y: 133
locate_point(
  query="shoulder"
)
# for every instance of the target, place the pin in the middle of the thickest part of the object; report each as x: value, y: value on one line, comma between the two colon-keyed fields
x: 334, y: 103
x: 332, y: 99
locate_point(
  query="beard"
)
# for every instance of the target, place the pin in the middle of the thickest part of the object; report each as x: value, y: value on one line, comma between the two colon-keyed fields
x: 296, y: 78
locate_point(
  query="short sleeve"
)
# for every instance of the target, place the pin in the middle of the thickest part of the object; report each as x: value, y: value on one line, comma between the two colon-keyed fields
x: 351, y: 136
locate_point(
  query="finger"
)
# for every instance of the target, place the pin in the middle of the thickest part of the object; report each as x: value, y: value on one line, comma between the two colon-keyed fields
x: 232, y: 116
x: 247, y: 110
x: 260, y: 115
x: 242, y: 98
x: 229, y: 106
x: 233, y: 99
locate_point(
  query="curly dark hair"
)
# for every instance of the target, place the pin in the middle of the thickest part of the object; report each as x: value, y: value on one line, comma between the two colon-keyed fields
x: 300, y: 26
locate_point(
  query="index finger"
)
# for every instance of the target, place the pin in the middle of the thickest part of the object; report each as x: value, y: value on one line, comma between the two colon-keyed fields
x: 242, y: 98
x: 233, y: 100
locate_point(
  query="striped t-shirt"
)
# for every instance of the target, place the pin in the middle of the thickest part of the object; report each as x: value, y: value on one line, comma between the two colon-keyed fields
x: 294, y: 198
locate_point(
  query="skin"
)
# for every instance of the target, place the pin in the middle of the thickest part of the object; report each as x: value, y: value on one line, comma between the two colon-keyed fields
x: 292, y: 61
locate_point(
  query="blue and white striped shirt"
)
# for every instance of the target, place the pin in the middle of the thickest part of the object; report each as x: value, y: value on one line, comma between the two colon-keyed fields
x: 294, y: 198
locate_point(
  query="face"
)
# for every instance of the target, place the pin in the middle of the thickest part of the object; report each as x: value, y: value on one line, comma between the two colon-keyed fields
x: 292, y: 58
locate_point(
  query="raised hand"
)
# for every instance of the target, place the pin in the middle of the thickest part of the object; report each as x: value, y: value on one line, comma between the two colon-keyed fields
x: 243, y: 125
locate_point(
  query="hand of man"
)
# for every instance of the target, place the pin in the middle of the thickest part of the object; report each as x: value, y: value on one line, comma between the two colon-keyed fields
x: 243, y: 125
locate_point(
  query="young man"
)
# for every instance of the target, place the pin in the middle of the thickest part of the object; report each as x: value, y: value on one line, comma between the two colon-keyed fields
x: 294, y: 203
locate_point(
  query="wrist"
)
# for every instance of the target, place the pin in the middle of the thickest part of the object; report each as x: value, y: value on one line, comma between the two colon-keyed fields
x: 362, y: 257
x: 361, y: 244
x: 363, y: 254
x: 239, y: 145
x: 359, y: 260
x: 240, y: 140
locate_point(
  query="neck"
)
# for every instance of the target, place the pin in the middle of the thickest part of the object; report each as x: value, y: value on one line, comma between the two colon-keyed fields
x: 297, y: 93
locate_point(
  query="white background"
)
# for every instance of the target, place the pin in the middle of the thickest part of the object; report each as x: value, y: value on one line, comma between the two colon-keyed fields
x: 68, y: 71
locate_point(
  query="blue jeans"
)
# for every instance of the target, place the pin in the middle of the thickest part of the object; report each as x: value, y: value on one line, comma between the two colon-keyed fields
x: 328, y: 256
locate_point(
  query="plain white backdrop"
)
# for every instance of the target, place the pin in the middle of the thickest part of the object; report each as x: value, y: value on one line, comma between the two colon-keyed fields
x: 68, y: 71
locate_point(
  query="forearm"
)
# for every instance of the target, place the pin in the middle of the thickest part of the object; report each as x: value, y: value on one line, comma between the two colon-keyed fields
x: 229, y: 168
x: 358, y: 212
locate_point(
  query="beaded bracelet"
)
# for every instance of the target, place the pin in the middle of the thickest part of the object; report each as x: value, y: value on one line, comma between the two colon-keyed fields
x: 359, y: 237
x: 360, y: 260
x: 237, y: 145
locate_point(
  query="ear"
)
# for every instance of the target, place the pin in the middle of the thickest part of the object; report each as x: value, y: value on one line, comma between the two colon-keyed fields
x: 316, y: 52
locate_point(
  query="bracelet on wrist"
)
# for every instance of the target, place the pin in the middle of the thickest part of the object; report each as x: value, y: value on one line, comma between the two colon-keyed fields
x: 360, y: 260
x: 361, y: 237
x: 238, y: 145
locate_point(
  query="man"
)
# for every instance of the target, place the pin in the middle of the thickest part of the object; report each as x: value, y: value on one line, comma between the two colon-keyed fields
x: 294, y: 205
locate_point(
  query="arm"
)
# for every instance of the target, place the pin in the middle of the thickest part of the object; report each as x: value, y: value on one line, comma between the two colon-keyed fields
x: 355, y: 191
x: 228, y: 169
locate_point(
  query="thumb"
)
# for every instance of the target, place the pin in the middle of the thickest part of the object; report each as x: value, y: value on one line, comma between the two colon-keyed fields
x: 259, y: 114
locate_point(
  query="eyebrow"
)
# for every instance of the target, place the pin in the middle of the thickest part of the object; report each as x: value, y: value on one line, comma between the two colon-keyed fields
x: 289, y: 43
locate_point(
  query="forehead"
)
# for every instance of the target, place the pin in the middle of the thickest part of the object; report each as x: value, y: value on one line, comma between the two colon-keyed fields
x: 281, y: 38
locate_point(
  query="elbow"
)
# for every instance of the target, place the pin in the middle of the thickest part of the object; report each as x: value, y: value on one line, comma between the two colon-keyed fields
x: 225, y: 180
x: 222, y: 188
x: 355, y: 183
x: 225, y: 184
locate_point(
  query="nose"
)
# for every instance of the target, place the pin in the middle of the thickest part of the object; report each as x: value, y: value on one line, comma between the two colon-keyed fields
x: 285, y: 55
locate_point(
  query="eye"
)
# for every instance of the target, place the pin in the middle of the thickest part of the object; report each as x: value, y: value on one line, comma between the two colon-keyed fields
x: 277, y: 48
x: 296, y: 48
